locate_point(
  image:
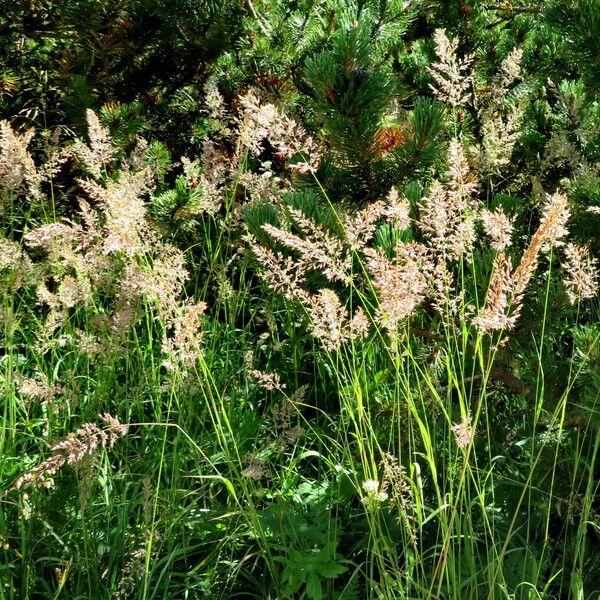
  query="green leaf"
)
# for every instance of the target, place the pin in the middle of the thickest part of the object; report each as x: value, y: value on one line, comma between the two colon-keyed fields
x: 313, y: 587
x: 330, y: 570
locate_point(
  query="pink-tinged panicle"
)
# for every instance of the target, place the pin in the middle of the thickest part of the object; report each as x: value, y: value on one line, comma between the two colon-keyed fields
x: 126, y: 226
x: 282, y: 274
x: 397, y: 486
x: 445, y: 297
x: 498, y: 226
x: 214, y: 101
x: 359, y: 325
x: 263, y: 187
x: 256, y: 468
x: 580, y: 272
x: 38, y: 388
x: 263, y: 121
x: 182, y: 342
x: 268, y: 381
x: 134, y: 570
x: 401, y: 284
x: 462, y: 184
x: 361, y: 226
x: 86, y: 441
x: 53, y: 238
x: 553, y: 225
x: 16, y: 268
x: 495, y: 314
x: 100, y: 151
x: 317, y: 249
x: 18, y: 174
x: 507, y: 287
x: 549, y: 234
x: 397, y: 210
x: 207, y: 178
x: 330, y: 322
x: 463, y: 432
x: 159, y: 279
x: 510, y: 70
x: 11, y: 255
x: 500, y: 132
x: 449, y: 211
x: 451, y: 74
x: 114, y: 427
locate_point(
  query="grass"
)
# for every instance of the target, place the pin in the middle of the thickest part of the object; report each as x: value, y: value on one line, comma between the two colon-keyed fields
x: 391, y: 467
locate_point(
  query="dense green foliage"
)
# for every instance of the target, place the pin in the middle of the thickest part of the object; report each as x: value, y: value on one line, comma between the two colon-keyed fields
x: 334, y: 264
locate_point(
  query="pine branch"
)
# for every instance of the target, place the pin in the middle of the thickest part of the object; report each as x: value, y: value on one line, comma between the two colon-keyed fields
x: 252, y: 12
x: 509, y: 8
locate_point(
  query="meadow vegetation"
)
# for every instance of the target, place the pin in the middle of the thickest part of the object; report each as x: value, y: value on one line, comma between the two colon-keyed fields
x: 299, y: 300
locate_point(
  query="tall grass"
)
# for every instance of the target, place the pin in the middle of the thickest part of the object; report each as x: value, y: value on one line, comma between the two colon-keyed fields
x: 355, y: 415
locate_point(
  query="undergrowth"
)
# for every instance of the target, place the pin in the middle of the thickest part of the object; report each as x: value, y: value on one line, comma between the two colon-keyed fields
x: 226, y: 377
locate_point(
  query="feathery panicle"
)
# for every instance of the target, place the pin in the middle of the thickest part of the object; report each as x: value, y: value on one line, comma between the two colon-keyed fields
x: 264, y: 121
x: 580, y: 272
x: 216, y: 172
x: 124, y: 211
x: 256, y: 468
x: 462, y: 183
x: 159, y: 279
x: 448, y: 212
x: 548, y: 235
x: 401, y: 284
x: 282, y: 273
x: 500, y: 124
x: 507, y: 289
x: 494, y: 316
x: 207, y: 178
x: 263, y: 187
x: 53, y: 238
x: 214, y: 101
x: 445, y: 297
x: 18, y: 173
x: 11, y: 255
x: 16, y: 265
x: 331, y: 324
x: 397, y: 210
x: 183, y: 345
x: 498, y: 226
x: 508, y: 73
x: 38, y: 388
x: 100, y: 150
x: 268, y: 381
x: 360, y: 226
x: 133, y: 571
x: 463, y: 432
x: 86, y: 441
x: 500, y: 133
x: 510, y: 70
x: 451, y: 74
x: 318, y: 249
x: 396, y: 485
